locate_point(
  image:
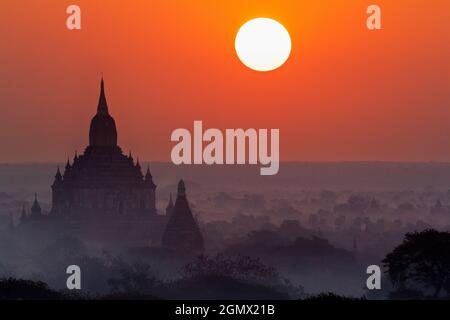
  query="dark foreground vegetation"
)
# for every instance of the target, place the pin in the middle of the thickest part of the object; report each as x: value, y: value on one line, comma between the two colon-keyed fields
x: 418, y: 268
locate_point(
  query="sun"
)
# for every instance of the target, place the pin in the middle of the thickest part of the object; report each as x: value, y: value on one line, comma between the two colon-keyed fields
x: 263, y: 44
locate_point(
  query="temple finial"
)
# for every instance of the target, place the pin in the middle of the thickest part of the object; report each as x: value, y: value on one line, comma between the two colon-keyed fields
x: 102, y: 105
x: 148, y: 175
x: 181, y: 188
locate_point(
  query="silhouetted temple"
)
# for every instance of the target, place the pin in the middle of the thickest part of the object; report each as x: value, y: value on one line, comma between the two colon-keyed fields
x: 103, y: 195
x: 103, y: 181
x: 182, y: 233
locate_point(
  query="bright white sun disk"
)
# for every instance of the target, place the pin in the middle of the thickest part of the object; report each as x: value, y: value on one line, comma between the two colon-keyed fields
x: 263, y: 44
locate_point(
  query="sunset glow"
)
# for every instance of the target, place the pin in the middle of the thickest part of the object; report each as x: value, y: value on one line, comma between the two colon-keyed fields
x: 220, y: 159
x: 345, y: 92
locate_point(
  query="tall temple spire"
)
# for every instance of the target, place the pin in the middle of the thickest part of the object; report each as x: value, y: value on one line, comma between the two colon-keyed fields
x: 102, y: 104
x: 102, y: 132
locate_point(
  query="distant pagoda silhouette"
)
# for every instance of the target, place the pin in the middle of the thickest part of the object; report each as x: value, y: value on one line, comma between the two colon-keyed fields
x: 36, y: 211
x: 103, y: 181
x: 182, y: 233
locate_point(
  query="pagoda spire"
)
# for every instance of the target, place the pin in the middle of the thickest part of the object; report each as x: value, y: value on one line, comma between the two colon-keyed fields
x: 138, y: 165
x: 68, y: 164
x: 148, y: 175
x: 169, y: 207
x: 181, y: 189
x: 102, y: 104
x: 58, y: 176
x: 103, y: 131
x: 36, y: 208
x: 139, y: 169
x: 67, y: 168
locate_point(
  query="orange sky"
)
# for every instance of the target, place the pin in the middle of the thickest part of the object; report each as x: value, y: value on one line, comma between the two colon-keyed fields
x: 346, y: 93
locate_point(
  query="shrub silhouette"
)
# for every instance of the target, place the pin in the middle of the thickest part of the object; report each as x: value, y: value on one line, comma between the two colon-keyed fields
x: 240, y: 277
x: 243, y: 268
x: 18, y: 289
x: 422, y: 261
x: 329, y: 296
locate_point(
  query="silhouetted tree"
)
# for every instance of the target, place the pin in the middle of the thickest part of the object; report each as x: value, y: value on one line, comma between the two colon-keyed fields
x: 422, y: 259
x: 136, y: 278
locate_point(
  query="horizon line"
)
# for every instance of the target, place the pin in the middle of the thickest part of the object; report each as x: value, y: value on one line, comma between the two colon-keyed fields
x: 241, y: 165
